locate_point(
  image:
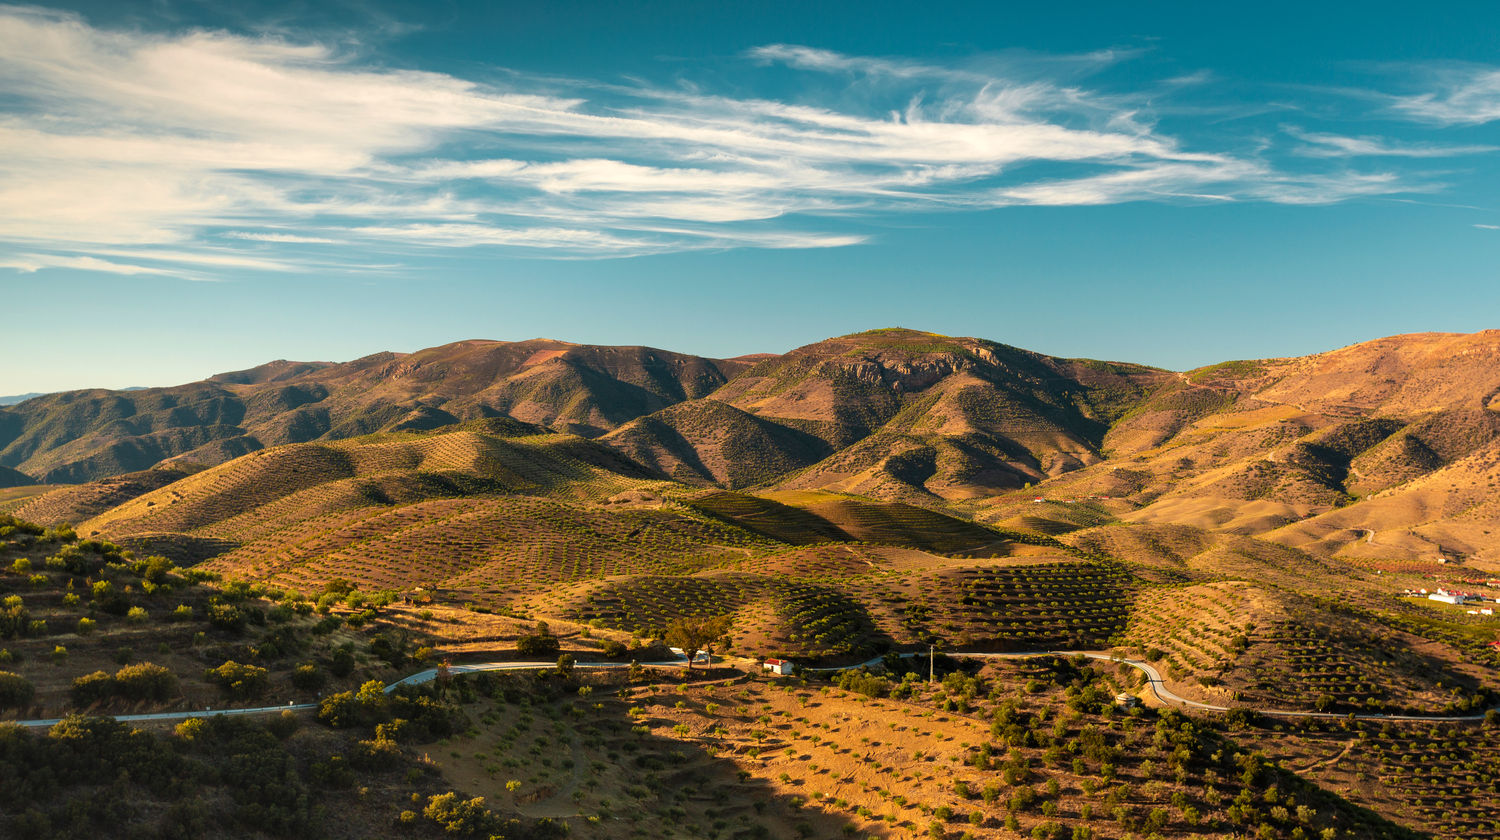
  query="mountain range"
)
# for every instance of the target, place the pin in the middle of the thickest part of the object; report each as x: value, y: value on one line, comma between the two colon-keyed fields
x: 1387, y: 449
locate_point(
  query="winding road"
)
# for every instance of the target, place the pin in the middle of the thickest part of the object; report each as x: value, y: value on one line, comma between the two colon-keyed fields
x: 1153, y: 679
x: 1166, y: 695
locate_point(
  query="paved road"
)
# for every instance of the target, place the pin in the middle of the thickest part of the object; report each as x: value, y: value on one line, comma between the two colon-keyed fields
x: 415, y: 679
x: 1170, y: 698
x: 1153, y: 678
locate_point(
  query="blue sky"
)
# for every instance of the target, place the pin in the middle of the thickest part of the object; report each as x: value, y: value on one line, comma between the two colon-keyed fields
x: 186, y: 189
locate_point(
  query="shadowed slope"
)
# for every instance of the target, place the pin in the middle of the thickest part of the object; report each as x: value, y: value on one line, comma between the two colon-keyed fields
x: 713, y: 442
x: 903, y: 414
x: 14, y: 478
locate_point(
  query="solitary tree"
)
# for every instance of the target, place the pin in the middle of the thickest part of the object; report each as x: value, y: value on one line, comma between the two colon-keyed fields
x: 697, y: 634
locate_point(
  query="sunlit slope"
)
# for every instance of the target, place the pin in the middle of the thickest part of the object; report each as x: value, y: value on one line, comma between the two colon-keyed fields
x: 1320, y: 451
x: 1450, y: 513
x: 1232, y: 642
x: 904, y: 415
x: 76, y: 436
x: 77, y: 503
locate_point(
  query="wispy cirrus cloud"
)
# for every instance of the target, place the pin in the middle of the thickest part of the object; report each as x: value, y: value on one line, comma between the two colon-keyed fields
x: 1339, y: 146
x: 1466, y: 94
x: 174, y: 149
x: 279, y: 237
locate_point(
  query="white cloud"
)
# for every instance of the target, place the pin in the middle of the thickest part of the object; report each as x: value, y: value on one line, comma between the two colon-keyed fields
x: 29, y: 263
x: 279, y: 237
x: 168, y: 147
x: 1339, y: 146
x: 1488, y: 227
x: 1461, y: 95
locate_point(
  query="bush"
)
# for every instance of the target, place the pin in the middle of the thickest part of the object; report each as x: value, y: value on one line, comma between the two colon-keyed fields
x: 464, y: 817
x: 133, y: 682
x: 307, y: 677
x: 348, y: 708
x: 863, y: 682
x: 145, y: 682
x: 15, y: 690
x: 14, y: 619
x: 93, y: 688
x: 227, y: 617
x: 388, y: 649
x: 540, y: 642
x: 342, y: 662
x: 238, y: 680
x: 86, y: 626
x: 283, y: 725
x: 154, y: 568
x: 109, y: 599
x: 136, y: 615
x: 378, y: 755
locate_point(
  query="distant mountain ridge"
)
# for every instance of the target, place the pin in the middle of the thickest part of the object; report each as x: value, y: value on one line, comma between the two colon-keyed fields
x: 1386, y: 448
x: 20, y: 398
x: 77, y: 436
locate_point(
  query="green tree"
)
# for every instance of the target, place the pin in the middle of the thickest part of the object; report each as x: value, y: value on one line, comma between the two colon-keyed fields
x: 697, y: 634
x: 540, y: 642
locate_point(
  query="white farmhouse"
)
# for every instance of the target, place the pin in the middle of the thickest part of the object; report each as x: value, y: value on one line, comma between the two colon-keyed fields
x: 779, y: 667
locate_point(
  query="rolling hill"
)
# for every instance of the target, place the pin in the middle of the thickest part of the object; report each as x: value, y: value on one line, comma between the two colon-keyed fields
x: 902, y: 414
x: 1385, y: 449
x: 77, y: 436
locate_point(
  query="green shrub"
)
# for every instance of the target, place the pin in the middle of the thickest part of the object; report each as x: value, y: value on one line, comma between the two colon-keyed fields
x: 308, y: 677
x: 540, y: 642
x: 464, y: 817
x: 377, y: 755
x: 145, y: 681
x: 238, y: 680
x: 347, y: 709
x: 342, y: 662
x: 14, y: 619
x: 227, y: 617
x: 15, y: 690
x: 93, y: 688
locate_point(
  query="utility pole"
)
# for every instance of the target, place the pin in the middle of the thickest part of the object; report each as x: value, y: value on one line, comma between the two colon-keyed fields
x: 931, y: 662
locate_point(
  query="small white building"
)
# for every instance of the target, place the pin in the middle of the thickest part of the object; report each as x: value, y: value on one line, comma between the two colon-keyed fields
x: 1452, y: 596
x: 1127, y: 701
x: 779, y: 667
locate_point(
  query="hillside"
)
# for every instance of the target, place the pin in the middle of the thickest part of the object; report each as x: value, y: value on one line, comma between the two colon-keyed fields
x: 1381, y: 450
x: 14, y: 478
x: 77, y: 436
x: 902, y: 414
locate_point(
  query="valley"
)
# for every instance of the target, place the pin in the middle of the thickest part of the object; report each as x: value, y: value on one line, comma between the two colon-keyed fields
x: 1175, y: 605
